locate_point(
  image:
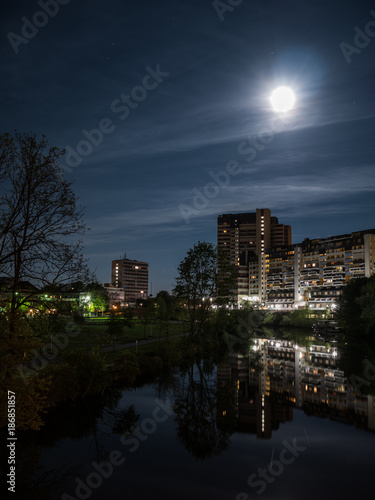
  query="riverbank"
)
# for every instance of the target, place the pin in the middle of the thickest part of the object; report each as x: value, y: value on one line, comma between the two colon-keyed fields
x: 85, y: 359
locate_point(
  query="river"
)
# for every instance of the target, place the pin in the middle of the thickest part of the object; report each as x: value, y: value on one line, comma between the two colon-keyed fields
x: 283, y: 423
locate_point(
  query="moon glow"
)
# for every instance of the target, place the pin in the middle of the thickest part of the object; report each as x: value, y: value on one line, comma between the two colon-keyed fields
x: 282, y: 99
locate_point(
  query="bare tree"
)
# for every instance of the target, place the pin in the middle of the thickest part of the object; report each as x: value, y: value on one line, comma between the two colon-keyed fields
x: 40, y: 229
x: 40, y: 221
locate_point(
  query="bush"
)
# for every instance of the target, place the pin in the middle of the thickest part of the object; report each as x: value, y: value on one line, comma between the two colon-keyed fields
x: 298, y: 318
x: 77, y: 375
x: 125, y: 367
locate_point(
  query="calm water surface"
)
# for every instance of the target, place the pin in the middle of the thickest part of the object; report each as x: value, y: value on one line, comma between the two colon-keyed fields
x: 292, y: 430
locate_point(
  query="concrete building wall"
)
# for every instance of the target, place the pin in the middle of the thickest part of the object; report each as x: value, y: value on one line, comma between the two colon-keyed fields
x: 321, y: 268
x: 132, y: 277
x: 246, y: 237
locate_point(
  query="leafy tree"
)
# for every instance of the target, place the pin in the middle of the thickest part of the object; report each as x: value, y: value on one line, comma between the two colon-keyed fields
x: 146, y: 313
x: 117, y: 323
x: 165, y: 309
x: 128, y: 315
x: 356, y: 316
x: 77, y: 286
x: 169, y: 300
x: 197, y: 282
x: 356, y: 307
x: 366, y: 302
x: 15, y: 350
x: 161, y: 311
x: 298, y: 318
x: 99, y: 298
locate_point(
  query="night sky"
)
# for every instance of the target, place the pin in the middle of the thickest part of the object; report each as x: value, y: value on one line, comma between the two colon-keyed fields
x: 180, y: 90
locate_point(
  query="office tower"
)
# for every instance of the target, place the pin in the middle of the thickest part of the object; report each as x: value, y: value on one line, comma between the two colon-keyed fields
x: 132, y: 277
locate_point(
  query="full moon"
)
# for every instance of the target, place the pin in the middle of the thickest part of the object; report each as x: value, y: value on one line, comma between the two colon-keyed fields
x: 282, y: 99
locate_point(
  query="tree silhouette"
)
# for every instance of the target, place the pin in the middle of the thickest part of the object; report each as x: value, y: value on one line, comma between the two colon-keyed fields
x: 201, y: 425
x: 40, y: 227
x: 197, y: 282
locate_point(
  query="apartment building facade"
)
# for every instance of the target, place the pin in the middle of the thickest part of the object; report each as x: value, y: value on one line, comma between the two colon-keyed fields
x: 245, y: 238
x: 315, y: 272
x: 276, y: 274
x: 132, y: 277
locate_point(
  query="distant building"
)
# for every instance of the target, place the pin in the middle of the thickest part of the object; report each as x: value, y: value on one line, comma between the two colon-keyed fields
x: 245, y: 237
x: 116, y: 296
x: 131, y: 276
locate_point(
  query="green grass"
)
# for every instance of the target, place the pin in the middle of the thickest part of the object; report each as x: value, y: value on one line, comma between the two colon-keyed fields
x: 95, y: 335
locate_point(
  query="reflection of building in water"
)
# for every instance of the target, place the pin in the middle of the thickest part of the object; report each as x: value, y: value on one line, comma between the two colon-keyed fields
x: 292, y: 376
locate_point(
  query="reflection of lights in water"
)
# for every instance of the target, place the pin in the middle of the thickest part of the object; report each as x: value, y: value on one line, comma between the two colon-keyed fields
x: 262, y: 412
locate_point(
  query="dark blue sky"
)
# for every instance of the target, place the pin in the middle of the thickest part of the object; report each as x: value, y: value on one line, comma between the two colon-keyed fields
x: 206, y: 108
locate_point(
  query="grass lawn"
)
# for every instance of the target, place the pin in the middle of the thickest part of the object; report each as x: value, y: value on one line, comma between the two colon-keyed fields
x: 94, y: 333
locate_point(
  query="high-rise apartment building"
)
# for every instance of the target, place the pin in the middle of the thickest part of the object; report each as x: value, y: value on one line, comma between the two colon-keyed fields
x: 246, y: 237
x: 132, y: 277
x: 315, y: 272
x: 279, y: 275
